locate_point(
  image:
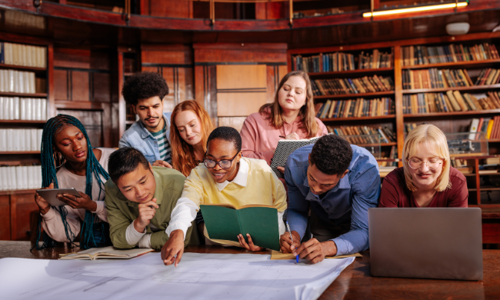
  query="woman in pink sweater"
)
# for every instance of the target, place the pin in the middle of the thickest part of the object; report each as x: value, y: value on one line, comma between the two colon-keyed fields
x: 291, y: 116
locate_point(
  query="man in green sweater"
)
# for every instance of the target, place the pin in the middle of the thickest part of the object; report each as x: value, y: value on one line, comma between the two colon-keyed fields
x: 140, y: 199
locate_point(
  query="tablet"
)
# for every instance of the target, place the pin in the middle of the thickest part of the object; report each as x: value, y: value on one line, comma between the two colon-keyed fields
x: 50, y: 195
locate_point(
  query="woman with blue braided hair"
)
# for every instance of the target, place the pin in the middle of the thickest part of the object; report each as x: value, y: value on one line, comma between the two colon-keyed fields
x: 69, y: 161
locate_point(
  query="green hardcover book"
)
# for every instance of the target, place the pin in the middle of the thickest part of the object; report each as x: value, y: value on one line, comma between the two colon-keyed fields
x: 224, y: 222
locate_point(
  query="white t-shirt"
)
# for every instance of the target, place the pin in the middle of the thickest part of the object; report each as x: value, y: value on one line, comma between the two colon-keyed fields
x: 52, y: 222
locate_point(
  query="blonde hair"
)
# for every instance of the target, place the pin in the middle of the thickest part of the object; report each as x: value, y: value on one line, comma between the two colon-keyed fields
x: 182, y: 152
x: 432, y: 134
x: 307, y: 112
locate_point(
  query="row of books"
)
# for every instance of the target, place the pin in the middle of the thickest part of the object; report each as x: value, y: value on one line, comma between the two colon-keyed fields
x: 23, y: 55
x: 17, y: 81
x: 434, y: 78
x: 421, y: 55
x: 339, y: 61
x: 385, y: 167
x: 16, y: 108
x: 20, y: 139
x: 20, y: 178
x: 451, y: 101
x: 484, y: 125
x: 339, y: 86
x: 356, y: 108
x: 361, y: 135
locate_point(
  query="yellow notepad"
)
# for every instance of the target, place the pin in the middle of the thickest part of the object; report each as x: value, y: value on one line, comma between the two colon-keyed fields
x: 275, y: 255
x: 105, y: 253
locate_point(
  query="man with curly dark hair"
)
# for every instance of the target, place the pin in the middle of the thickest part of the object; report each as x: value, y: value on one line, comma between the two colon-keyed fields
x: 144, y: 92
x: 336, y: 183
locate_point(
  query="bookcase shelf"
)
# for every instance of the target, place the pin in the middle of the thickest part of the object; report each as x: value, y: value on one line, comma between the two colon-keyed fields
x: 17, y: 192
x: 22, y: 122
x: 376, y: 145
x: 361, y: 95
x: 359, y: 119
x: 463, y: 88
x: 18, y: 152
x: 26, y: 68
x: 351, y: 72
x: 458, y: 64
x: 36, y: 95
x: 456, y: 113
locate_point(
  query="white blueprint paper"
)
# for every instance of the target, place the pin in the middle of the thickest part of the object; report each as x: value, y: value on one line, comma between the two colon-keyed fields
x: 198, y: 276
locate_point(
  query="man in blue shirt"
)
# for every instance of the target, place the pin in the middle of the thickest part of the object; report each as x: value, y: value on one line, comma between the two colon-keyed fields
x: 336, y: 183
x: 151, y: 133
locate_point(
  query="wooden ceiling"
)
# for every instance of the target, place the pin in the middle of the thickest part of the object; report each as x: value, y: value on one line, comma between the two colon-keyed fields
x: 72, y: 32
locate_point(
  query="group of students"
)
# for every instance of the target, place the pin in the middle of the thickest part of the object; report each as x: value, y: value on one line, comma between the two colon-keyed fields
x: 139, y: 196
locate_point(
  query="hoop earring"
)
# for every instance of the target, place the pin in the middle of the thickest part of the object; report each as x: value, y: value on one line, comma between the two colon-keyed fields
x: 59, y: 159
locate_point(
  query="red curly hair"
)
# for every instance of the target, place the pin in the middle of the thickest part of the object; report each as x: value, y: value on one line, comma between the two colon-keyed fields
x: 183, y: 158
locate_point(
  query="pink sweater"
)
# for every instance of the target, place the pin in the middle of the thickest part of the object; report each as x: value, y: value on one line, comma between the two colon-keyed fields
x: 260, y: 138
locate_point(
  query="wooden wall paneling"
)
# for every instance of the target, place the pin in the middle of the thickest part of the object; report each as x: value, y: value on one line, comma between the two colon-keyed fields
x: 241, y: 77
x: 51, y: 110
x: 101, y: 86
x: 4, y: 217
x: 271, y: 11
x: 240, y: 52
x: 92, y: 120
x: 61, y: 86
x: 80, y: 86
x: 21, y: 206
x: 398, y: 99
x: 167, y: 8
x: 275, y: 72
x: 206, y: 89
x: 235, y: 122
x: 239, y: 104
x: 72, y: 58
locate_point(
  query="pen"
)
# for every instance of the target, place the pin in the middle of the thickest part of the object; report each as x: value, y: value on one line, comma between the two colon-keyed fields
x: 291, y: 237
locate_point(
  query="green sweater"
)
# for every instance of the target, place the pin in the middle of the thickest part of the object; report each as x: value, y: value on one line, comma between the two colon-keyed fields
x: 122, y: 212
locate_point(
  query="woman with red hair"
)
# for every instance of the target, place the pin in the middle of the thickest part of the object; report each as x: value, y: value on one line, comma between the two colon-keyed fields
x: 190, y: 128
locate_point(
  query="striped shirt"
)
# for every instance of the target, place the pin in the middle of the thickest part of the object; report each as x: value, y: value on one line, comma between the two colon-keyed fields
x: 163, y: 145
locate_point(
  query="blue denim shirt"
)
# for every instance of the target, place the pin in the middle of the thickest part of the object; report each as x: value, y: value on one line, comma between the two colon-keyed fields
x: 347, y: 202
x: 140, y: 138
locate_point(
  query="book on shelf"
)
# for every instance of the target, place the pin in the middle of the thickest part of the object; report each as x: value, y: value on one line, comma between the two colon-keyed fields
x: 422, y: 55
x: 20, y: 177
x: 20, y: 139
x: 356, y: 108
x: 361, y: 135
x: 14, y: 81
x: 20, y: 108
x: 451, y: 101
x: 106, y: 253
x: 433, y: 78
x: 23, y: 55
x: 339, y: 61
x: 339, y: 86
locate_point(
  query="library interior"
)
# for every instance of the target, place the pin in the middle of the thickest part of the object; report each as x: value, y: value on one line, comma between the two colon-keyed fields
x: 377, y: 69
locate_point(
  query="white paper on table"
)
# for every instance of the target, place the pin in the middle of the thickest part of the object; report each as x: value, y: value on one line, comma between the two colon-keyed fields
x: 198, y: 276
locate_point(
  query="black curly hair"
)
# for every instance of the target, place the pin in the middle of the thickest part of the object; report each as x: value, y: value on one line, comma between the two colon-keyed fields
x: 144, y: 85
x: 331, y: 154
x: 228, y: 134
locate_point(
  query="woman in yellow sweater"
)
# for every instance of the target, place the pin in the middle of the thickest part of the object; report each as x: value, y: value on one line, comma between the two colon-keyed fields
x: 225, y: 178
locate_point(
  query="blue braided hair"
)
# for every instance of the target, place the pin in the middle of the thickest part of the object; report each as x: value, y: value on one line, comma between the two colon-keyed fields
x: 93, y: 234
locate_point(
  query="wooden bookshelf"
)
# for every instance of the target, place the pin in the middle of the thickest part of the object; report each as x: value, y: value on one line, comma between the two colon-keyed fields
x: 23, y: 68
x: 358, y: 72
x: 458, y: 64
x: 22, y: 122
x: 360, y: 95
x: 398, y: 120
x: 18, y: 152
x: 475, y: 88
x: 454, y: 113
x: 32, y: 95
x: 386, y: 117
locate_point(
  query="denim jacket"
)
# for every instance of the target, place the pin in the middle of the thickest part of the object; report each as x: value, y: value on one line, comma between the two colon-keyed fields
x: 140, y: 138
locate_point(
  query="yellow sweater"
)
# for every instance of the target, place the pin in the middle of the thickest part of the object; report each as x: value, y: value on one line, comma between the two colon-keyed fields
x: 255, y: 183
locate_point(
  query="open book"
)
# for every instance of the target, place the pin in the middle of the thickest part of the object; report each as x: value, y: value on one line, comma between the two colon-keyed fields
x: 225, y: 222
x: 284, y: 149
x: 106, y: 253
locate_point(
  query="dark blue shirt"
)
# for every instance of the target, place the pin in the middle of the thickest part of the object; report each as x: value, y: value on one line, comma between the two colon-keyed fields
x: 347, y: 202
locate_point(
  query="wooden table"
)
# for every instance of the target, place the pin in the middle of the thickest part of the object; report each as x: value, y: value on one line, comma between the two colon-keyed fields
x: 354, y: 282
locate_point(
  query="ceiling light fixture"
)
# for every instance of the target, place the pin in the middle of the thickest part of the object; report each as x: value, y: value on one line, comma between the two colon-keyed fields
x: 414, y: 9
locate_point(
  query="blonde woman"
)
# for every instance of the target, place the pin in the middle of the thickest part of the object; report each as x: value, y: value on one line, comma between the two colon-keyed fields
x: 426, y: 178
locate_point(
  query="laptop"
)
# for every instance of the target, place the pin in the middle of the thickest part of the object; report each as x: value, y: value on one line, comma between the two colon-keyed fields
x: 438, y: 243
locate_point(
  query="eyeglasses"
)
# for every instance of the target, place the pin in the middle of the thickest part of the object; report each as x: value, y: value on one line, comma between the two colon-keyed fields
x: 224, y: 164
x: 432, y: 163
